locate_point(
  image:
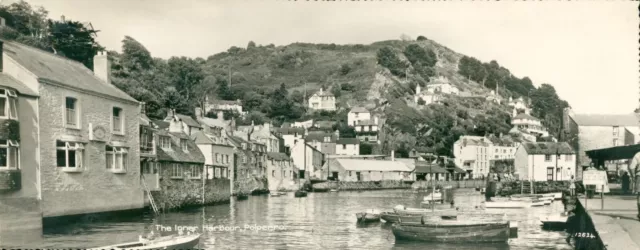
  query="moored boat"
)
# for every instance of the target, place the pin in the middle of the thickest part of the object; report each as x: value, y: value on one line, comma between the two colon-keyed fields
x: 408, y: 210
x: 538, y: 203
x: 554, y: 222
x: 165, y: 242
x: 276, y: 194
x: 333, y: 190
x: 242, y: 197
x: 371, y: 215
x: 300, y: 193
x: 453, y: 231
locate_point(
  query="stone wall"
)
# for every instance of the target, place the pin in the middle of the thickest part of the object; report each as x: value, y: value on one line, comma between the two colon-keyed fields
x: 181, y: 193
x: 217, y: 191
x: 453, y: 184
x: 360, y: 185
x: 507, y: 188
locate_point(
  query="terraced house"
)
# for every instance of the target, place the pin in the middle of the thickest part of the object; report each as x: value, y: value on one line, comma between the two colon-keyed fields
x: 249, y: 167
x: 86, y: 157
x: 282, y: 173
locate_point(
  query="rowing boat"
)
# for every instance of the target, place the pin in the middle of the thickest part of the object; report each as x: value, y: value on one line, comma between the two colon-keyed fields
x: 451, y: 231
x: 371, y: 215
x: 165, y: 242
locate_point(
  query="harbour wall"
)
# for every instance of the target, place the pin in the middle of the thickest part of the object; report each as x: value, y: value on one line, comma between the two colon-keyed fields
x: 507, y: 188
x: 452, y: 184
x: 360, y: 185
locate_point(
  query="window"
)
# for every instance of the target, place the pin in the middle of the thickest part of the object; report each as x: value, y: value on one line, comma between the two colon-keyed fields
x: 616, y: 129
x: 69, y: 154
x: 244, y: 159
x: 568, y: 157
x: 175, y: 171
x: 547, y: 158
x: 496, y: 150
x: 9, y: 154
x: 116, y: 158
x: 226, y: 159
x: 184, y: 145
x: 327, y: 139
x: 273, y: 173
x: 224, y: 173
x: 117, y: 120
x: 71, y: 115
x: 8, y: 104
x: 370, y: 128
x: 344, y: 146
x: 550, y: 173
x: 194, y: 172
x: 217, y: 157
x: 165, y: 142
x: 615, y: 142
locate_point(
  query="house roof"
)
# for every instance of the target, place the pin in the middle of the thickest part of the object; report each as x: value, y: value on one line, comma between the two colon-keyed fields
x: 324, y: 124
x: 21, y: 88
x: 468, y: 140
x: 290, y: 130
x: 606, y: 119
x: 319, y: 136
x: 188, y: 120
x: 201, y: 138
x: 278, y: 156
x: 366, y: 122
x: 547, y: 148
x: 323, y: 93
x: 458, y: 170
x: 427, y: 167
x: 176, y: 154
x: 348, y: 141
x: 161, y: 124
x: 371, y: 165
x: 225, y: 102
x: 52, y: 68
x: 409, y: 162
x: 214, y: 122
x: 358, y: 109
x: 525, y: 116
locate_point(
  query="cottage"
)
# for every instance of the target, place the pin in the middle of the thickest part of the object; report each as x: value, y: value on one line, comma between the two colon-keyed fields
x: 430, y: 171
x: 222, y: 105
x: 307, y: 158
x: 442, y: 85
x: 80, y: 135
x: 545, y: 161
x: 264, y: 134
x: 322, y: 100
x: 529, y: 124
x: 472, y: 153
x: 347, y: 146
x: 323, y: 141
x: 365, y: 170
x: 190, y: 125
x: 586, y: 132
x: 367, y: 130
x: 289, y: 135
x: 357, y: 114
x: 283, y: 175
x: 250, y: 165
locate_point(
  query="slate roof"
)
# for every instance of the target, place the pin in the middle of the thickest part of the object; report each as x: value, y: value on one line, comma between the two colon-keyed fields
x: 525, y: 116
x: 324, y: 124
x: 358, y: 109
x: 215, y: 122
x: 348, y: 141
x: 371, y: 165
x: 278, y: 156
x: 161, y: 124
x: 474, y: 140
x: 606, y: 119
x: 21, y: 88
x: 428, y: 167
x: 188, y: 120
x: 290, y: 131
x: 49, y: 67
x: 201, y: 138
x: 175, y: 154
x: 319, y: 136
x: 547, y: 148
x: 366, y: 123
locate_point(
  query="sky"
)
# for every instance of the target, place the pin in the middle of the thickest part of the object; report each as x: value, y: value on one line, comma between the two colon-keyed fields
x: 587, y: 50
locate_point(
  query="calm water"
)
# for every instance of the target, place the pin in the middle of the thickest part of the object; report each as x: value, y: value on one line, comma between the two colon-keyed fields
x: 319, y: 221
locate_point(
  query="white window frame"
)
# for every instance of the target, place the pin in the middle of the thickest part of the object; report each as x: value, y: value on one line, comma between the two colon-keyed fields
x: 11, y: 145
x: 195, y: 171
x: 184, y: 145
x: 164, y: 142
x: 118, y: 164
x: 176, y: 171
x: 77, y: 110
x: 11, y: 103
x: 78, y: 147
x: 218, y: 172
x: 121, y: 118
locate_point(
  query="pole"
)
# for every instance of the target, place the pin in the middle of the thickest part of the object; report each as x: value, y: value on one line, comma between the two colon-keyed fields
x: 602, y: 198
x: 204, y: 178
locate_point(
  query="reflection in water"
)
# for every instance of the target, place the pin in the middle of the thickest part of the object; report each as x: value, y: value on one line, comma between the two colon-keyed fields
x: 319, y: 221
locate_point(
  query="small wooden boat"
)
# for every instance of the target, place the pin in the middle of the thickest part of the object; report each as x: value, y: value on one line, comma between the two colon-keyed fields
x: 371, y: 215
x: 242, y: 197
x: 333, y: 190
x: 555, y: 196
x: 554, y: 222
x: 507, y: 204
x: 538, y: 203
x: 276, y: 194
x: 165, y: 242
x: 447, y: 231
x: 407, y: 210
x: 300, y: 193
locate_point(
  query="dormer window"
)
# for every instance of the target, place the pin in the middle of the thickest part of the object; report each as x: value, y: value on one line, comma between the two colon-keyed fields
x: 165, y: 142
x: 184, y: 145
x: 8, y: 104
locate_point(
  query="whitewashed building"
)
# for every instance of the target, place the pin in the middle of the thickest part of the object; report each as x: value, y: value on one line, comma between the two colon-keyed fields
x: 352, y: 170
x: 322, y: 100
x: 545, y: 161
x: 347, y: 146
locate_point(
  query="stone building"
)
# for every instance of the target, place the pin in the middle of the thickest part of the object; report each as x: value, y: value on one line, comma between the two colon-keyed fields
x: 281, y: 172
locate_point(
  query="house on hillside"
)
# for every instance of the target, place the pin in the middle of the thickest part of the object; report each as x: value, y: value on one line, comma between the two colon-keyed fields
x: 325, y: 142
x: 367, y: 130
x: 347, y: 146
x: 322, y: 100
x: 426, y: 96
x: 328, y: 126
x: 70, y: 138
x: 519, y: 104
x: 357, y: 114
x: 303, y: 124
x: 222, y: 105
x: 190, y: 125
x: 282, y: 174
x: 545, y: 161
x: 472, y: 154
x: 264, y: 134
x: 442, y: 85
x: 586, y: 132
x: 351, y: 170
x: 529, y: 124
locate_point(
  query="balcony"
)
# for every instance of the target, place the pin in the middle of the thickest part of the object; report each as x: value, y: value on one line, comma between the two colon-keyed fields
x: 10, y: 180
x: 147, y: 143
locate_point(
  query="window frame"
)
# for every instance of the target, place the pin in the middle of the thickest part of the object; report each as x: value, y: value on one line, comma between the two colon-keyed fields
x: 176, y: 171
x: 547, y: 158
x: 9, y: 145
x: 194, y: 171
x: 121, y: 120
x: 11, y: 104
x: 162, y: 144
x: 79, y: 149
x: 77, y: 110
x: 184, y: 145
x: 550, y: 173
x: 112, y: 156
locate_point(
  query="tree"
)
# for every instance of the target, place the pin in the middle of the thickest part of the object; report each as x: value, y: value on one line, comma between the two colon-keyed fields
x: 186, y: 76
x: 421, y: 38
x: 135, y: 57
x: 281, y: 106
x: 345, y: 69
x: 388, y: 59
x: 297, y: 97
x: 27, y: 20
x: 421, y: 101
x: 251, y: 45
x: 74, y: 40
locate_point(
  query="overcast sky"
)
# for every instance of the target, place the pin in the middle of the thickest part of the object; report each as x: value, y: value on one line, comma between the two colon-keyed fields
x: 587, y: 50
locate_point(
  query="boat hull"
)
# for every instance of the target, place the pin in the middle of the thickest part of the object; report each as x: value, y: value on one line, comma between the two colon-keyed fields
x: 507, y: 204
x: 299, y: 194
x: 366, y: 217
x: 453, y: 232
x: 395, y: 217
x: 179, y: 242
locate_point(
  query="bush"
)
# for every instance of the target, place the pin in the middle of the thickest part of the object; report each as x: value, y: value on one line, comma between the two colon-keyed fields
x: 345, y: 69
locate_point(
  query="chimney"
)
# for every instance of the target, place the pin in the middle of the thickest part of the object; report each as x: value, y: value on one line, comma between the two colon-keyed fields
x: 375, y: 120
x: 220, y: 115
x: 170, y: 114
x: 102, y: 67
x: 393, y: 155
x: 62, y: 19
x: 175, y: 125
x: 198, y: 112
x: 143, y: 107
x: 337, y: 134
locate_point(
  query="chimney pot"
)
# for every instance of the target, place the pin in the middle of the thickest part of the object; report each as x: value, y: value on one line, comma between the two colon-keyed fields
x: 143, y: 107
x: 198, y: 112
x: 393, y: 155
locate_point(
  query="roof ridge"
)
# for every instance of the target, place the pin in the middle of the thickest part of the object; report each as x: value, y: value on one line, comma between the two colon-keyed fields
x: 39, y: 50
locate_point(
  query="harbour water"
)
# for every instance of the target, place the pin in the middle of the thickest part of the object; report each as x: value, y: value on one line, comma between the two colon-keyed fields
x: 318, y: 221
